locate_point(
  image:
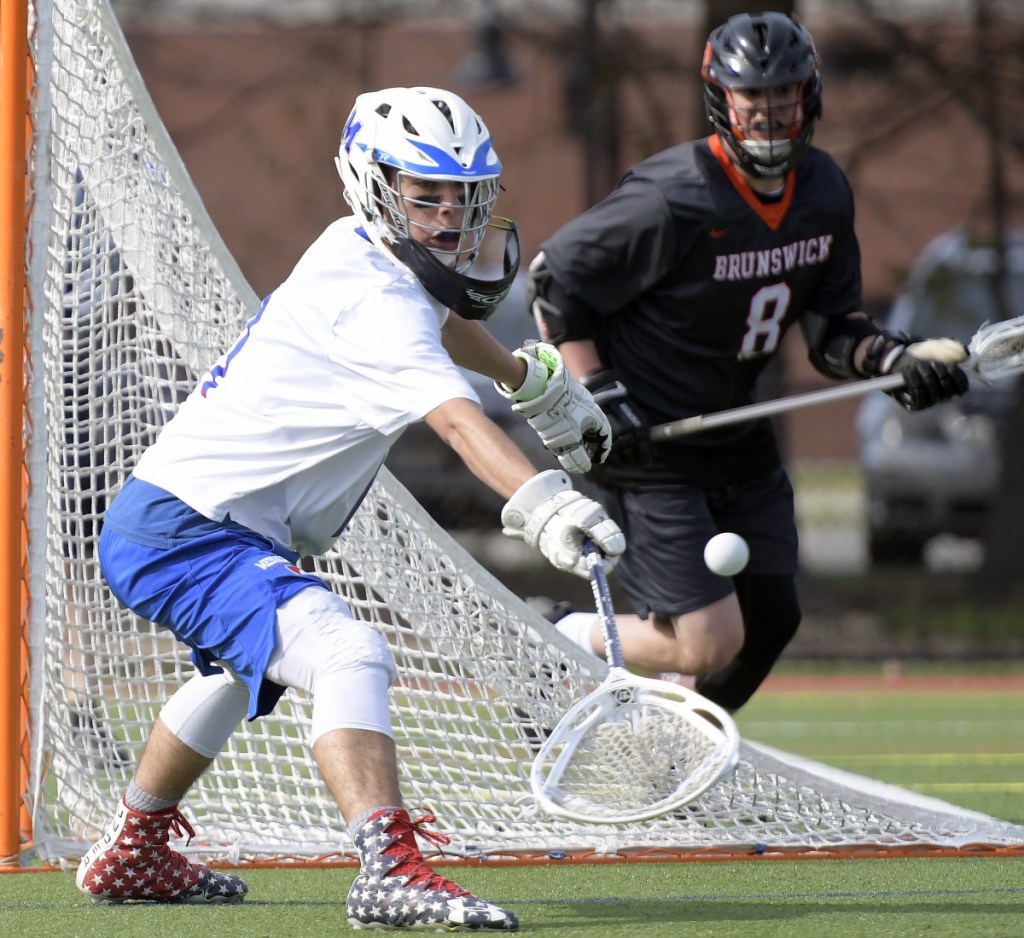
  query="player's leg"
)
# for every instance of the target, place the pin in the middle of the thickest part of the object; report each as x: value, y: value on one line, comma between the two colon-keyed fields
x: 686, y: 619
x: 133, y: 859
x: 691, y: 643
x: 687, y: 643
x: 218, y: 594
x: 772, y: 614
x: 762, y: 512
x: 347, y: 668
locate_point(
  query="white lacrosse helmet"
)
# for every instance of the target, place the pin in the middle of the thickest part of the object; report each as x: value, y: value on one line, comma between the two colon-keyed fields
x: 424, y: 132
x: 431, y: 134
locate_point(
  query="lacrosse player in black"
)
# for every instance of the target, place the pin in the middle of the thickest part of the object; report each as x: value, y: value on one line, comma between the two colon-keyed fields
x: 667, y: 299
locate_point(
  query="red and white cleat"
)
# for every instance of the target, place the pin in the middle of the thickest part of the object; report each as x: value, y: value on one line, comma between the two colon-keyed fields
x: 132, y: 861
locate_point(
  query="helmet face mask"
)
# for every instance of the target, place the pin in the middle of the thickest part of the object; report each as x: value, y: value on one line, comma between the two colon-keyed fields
x: 766, y: 125
x: 767, y: 60
x: 413, y: 207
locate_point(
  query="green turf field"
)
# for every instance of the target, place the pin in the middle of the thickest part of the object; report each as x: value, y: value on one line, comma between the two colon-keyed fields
x: 965, y: 746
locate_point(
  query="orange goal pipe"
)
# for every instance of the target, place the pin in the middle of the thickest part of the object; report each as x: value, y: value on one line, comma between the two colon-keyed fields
x: 13, y: 144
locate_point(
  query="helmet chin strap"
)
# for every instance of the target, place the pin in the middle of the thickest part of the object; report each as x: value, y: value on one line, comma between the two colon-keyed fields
x: 469, y: 297
x: 761, y: 152
x: 751, y: 160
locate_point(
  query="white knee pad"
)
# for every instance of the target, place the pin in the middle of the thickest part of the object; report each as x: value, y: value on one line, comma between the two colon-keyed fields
x: 204, y: 711
x: 343, y: 663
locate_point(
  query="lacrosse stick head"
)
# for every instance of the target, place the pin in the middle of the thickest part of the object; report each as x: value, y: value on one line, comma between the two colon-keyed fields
x: 997, y: 350
x: 633, y: 749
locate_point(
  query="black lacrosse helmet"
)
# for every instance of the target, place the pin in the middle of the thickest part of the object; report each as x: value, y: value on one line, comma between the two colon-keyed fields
x: 758, y: 51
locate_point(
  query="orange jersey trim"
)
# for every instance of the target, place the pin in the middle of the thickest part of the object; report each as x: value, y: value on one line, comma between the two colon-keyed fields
x: 772, y: 213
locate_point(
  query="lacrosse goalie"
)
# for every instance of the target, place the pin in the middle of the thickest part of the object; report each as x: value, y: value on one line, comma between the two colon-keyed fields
x: 272, y: 453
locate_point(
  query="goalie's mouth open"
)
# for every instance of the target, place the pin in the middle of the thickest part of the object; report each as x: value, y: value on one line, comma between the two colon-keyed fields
x: 446, y: 240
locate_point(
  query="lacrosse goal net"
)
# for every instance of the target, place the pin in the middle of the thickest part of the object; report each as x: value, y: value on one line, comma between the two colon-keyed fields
x: 130, y: 295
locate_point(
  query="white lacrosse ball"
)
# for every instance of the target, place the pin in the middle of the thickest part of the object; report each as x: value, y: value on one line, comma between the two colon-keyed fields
x: 726, y: 554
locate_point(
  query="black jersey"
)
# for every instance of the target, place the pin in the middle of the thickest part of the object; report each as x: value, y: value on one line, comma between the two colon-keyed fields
x: 693, y: 281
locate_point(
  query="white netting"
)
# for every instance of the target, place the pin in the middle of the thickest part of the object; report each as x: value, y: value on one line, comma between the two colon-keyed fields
x: 633, y: 749
x: 133, y: 295
x: 997, y: 350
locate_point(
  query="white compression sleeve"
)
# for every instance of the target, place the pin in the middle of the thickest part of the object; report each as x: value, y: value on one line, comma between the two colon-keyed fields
x: 204, y: 711
x: 344, y: 664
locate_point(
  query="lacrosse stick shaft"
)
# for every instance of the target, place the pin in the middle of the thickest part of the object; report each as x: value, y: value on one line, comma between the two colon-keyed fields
x: 603, y: 604
x: 995, y: 351
x: 725, y: 418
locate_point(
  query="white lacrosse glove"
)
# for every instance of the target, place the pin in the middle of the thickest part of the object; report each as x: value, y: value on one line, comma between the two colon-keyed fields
x: 566, y: 417
x: 547, y: 514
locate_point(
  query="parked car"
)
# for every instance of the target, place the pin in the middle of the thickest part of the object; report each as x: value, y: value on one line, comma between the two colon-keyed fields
x: 937, y: 471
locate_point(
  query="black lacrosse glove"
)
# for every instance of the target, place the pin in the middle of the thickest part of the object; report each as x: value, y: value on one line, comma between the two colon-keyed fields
x: 930, y: 369
x: 631, y: 433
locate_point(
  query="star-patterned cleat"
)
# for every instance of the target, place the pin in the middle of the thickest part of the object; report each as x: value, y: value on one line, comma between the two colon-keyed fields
x: 132, y: 861
x: 396, y: 889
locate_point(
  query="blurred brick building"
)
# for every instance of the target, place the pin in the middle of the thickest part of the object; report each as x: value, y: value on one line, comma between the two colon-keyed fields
x: 255, y: 108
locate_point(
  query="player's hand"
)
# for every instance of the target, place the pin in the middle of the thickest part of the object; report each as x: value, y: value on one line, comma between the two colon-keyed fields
x: 930, y: 372
x: 547, y: 514
x: 631, y: 433
x: 570, y: 424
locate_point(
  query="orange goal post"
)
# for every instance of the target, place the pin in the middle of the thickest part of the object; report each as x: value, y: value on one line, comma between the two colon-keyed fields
x: 118, y: 293
x: 15, y: 131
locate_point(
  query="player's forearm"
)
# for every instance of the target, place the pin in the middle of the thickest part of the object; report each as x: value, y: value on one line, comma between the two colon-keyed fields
x: 481, y: 444
x: 471, y: 346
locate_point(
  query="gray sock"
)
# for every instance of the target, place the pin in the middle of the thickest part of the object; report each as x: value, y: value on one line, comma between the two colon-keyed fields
x: 139, y: 800
x: 356, y: 824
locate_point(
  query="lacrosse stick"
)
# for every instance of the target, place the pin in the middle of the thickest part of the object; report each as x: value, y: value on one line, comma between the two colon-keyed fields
x: 996, y: 351
x: 634, y: 748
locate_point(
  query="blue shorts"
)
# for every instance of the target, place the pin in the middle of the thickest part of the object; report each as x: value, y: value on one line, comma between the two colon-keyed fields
x: 215, y: 586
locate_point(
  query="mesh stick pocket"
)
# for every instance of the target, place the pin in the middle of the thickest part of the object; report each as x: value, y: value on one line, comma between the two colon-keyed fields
x: 633, y: 749
x: 997, y: 350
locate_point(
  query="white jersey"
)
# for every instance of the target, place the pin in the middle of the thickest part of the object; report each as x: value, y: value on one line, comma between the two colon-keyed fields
x: 286, y: 432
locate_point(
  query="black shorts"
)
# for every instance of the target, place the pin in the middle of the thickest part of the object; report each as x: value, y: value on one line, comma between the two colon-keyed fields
x: 666, y: 528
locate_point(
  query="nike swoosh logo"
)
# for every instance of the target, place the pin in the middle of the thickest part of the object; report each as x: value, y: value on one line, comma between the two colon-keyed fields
x: 719, y: 232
